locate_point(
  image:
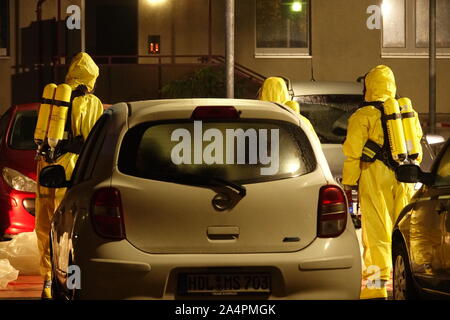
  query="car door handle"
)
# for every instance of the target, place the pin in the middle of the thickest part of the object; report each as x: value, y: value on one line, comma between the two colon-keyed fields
x: 223, y: 233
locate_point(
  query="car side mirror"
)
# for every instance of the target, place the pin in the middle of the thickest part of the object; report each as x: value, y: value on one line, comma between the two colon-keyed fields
x: 411, y: 173
x: 53, y: 177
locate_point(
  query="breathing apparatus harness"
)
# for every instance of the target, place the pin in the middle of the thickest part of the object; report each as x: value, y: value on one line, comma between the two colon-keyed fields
x: 400, y: 143
x: 372, y: 151
x: 69, y: 143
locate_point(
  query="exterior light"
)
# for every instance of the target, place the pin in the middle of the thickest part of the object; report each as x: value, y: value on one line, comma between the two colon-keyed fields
x: 296, y: 6
x: 386, y: 8
x: 156, y: 1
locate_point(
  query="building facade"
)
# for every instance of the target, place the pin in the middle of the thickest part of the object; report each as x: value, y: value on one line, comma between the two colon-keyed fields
x: 146, y: 43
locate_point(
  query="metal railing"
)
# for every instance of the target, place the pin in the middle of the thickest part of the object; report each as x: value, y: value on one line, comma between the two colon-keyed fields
x: 160, y: 61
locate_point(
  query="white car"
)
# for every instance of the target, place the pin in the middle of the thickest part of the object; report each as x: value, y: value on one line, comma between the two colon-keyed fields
x: 329, y: 105
x: 152, y: 213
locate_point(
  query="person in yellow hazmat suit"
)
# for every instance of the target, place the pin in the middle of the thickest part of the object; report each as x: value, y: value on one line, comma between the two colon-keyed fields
x: 86, y: 109
x: 382, y: 197
x: 274, y: 89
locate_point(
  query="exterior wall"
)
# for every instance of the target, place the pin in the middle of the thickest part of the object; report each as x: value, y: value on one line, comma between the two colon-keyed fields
x: 6, y: 64
x: 18, y: 76
x: 183, y: 27
x: 342, y: 48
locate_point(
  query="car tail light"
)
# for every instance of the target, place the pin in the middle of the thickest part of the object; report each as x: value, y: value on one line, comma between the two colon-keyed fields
x: 332, y: 215
x: 107, y: 214
x: 213, y: 112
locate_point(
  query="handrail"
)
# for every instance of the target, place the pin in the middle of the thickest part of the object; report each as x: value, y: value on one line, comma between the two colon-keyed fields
x: 201, y: 57
x: 204, y: 59
x: 242, y: 69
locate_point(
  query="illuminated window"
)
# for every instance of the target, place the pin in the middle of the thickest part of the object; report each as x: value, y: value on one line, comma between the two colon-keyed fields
x: 406, y: 27
x: 4, y: 27
x: 282, y: 27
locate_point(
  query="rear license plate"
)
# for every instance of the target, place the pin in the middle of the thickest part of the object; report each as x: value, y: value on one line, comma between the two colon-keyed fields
x: 224, y: 284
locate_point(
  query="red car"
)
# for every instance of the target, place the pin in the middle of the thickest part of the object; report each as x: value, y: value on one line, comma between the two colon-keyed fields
x: 17, y: 169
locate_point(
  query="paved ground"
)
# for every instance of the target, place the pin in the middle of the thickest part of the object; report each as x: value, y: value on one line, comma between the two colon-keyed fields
x: 24, y: 288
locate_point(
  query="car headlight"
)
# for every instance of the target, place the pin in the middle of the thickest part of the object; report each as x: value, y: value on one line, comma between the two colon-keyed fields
x: 18, y: 181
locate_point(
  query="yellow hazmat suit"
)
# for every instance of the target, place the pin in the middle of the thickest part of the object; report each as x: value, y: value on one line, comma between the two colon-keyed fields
x: 86, y: 110
x: 382, y: 197
x: 274, y: 89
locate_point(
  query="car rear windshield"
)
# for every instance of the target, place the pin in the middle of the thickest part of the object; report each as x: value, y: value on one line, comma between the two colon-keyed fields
x: 329, y: 114
x: 241, y: 151
x: 22, y: 134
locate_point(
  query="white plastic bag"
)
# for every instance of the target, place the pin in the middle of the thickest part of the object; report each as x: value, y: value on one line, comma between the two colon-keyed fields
x: 3, y: 245
x: 23, y: 254
x: 7, y: 273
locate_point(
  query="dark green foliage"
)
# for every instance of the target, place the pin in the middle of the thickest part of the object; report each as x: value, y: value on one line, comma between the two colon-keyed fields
x: 207, y: 82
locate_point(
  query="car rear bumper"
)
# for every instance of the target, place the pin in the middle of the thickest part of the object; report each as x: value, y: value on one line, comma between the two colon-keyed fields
x: 326, y: 269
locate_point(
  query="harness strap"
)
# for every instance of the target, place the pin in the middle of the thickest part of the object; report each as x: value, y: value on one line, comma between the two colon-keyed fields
x: 384, y: 154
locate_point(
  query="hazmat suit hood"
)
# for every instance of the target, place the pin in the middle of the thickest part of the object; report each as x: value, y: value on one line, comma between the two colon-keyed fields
x: 274, y: 89
x: 82, y: 71
x: 380, y: 84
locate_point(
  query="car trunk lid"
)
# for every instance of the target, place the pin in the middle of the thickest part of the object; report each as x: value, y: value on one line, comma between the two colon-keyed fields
x: 166, y: 217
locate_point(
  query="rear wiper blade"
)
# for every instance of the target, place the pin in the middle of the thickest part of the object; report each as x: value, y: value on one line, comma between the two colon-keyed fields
x: 192, y: 178
x: 242, y: 191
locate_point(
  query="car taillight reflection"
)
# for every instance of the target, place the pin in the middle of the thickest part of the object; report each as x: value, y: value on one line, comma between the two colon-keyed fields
x: 107, y: 215
x: 332, y: 212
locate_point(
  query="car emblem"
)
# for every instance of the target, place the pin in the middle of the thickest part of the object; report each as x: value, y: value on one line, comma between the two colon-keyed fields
x: 221, y: 202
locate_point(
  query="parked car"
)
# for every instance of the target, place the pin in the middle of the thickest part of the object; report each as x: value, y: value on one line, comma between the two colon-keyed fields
x: 18, y: 170
x: 420, y: 241
x: 201, y: 230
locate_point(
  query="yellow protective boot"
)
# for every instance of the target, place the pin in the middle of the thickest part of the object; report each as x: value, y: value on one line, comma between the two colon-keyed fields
x: 47, y: 291
x: 374, y: 293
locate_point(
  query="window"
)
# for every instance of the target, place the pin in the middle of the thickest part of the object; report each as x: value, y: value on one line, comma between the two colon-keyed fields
x: 4, y: 27
x: 112, y: 17
x: 22, y: 133
x: 4, y: 121
x: 146, y: 152
x: 329, y: 114
x: 88, y: 155
x: 282, y: 28
x: 406, y: 27
x: 443, y: 170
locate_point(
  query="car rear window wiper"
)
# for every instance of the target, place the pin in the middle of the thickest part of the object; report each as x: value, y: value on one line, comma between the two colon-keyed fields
x: 199, y: 179
x: 242, y: 191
